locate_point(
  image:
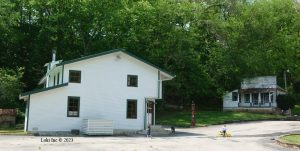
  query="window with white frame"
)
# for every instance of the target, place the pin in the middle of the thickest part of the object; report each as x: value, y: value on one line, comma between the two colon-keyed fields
x: 73, y: 106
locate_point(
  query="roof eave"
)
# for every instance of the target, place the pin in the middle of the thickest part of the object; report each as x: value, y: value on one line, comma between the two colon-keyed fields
x: 88, y: 57
x: 22, y: 95
x: 113, y: 51
x: 140, y: 59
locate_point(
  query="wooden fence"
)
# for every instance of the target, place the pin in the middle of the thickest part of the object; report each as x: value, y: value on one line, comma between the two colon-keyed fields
x: 8, y: 117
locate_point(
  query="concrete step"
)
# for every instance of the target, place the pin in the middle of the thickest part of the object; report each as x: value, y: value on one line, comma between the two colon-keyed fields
x: 155, y: 131
x: 156, y: 128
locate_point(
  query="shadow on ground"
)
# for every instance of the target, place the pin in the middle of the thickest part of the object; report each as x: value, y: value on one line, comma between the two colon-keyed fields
x: 184, y: 134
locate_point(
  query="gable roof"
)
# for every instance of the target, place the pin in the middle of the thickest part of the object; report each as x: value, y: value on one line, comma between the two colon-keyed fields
x: 113, y: 51
x: 41, y: 90
x: 25, y: 94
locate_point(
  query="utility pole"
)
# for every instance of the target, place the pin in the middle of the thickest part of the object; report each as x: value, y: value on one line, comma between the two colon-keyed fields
x: 193, y: 124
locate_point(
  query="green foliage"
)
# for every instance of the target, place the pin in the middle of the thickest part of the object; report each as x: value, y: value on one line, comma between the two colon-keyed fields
x: 20, y: 118
x: 296, y: 87
x: 204, y: 118
x: 296, y: 97
x: 10, y: 87
x: 286, y: 102
x: 209, y: 44
x: 296, y: 110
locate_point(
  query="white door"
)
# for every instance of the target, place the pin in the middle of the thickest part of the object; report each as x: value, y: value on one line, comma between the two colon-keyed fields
x: 149, y: 118
x: 149, y: 113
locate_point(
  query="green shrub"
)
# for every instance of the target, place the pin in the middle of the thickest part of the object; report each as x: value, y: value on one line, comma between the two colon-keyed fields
x: 286, y: 102
x: 296, y: 87
x: 297, y: 98
x: 20, y: 118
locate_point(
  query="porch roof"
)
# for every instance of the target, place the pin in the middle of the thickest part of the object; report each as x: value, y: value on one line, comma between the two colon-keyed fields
x: 261, y: 90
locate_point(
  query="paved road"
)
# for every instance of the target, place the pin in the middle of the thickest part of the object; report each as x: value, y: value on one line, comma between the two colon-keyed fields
x: 252, y: 136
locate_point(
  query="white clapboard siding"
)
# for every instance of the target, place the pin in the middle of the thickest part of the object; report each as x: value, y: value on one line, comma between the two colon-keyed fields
x: 97, y: 127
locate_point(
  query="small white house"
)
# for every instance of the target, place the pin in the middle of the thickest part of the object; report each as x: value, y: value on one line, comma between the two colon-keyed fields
x: 255, y: 93
x: 114, y: 86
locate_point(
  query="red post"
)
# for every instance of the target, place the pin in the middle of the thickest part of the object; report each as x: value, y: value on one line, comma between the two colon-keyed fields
x: 193, y: 124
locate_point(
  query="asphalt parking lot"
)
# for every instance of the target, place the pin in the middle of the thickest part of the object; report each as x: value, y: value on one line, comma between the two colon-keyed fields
x: 252, y: 136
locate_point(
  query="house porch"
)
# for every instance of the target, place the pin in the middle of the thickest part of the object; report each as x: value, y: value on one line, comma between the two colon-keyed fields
x: 257, y: 98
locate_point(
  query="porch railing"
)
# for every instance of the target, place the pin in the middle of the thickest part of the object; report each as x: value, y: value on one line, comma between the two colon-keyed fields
x: 255, y: 105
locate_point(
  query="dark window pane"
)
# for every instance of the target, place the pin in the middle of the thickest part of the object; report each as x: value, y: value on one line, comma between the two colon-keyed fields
x: 247, y: 98
x: 255, y: 98
x: 74, y: 76
x: 234, y: 96
x: 264, y: 97
x: 132, y: 109
x: 73, y: 106
x: 132, y: 80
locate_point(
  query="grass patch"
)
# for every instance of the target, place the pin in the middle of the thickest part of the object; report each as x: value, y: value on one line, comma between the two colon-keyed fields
x: 18, y: 130
x: 296, y: 110
x: 291, y: 139
x: 204, y: 118
x: 12, y: 132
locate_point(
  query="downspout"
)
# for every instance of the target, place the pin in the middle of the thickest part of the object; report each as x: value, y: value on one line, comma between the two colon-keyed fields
x: 27, y: 116
x: 158, y: 85
x: 158, y: 96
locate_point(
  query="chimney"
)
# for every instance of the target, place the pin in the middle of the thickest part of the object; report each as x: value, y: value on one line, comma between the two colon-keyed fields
x: 53, y: 54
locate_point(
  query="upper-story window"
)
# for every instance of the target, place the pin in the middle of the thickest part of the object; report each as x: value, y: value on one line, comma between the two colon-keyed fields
x: 132, y: 80
x: 74, y: 76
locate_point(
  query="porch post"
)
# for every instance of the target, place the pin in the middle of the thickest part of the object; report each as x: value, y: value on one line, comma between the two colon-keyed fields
x: 250, y: 99
x: 259, y: 99
x: 269, y: 99
x: 275, y: 98
x: 238, y: 99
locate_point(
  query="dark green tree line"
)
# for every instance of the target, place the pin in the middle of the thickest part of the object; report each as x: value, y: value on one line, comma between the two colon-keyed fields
x: 210, y: 45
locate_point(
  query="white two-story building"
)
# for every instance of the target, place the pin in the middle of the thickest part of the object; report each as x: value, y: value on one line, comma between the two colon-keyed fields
x: 114, y: 86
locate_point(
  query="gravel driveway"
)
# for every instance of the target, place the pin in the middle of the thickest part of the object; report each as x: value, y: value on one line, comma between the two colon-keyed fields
x: 252, y: 136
